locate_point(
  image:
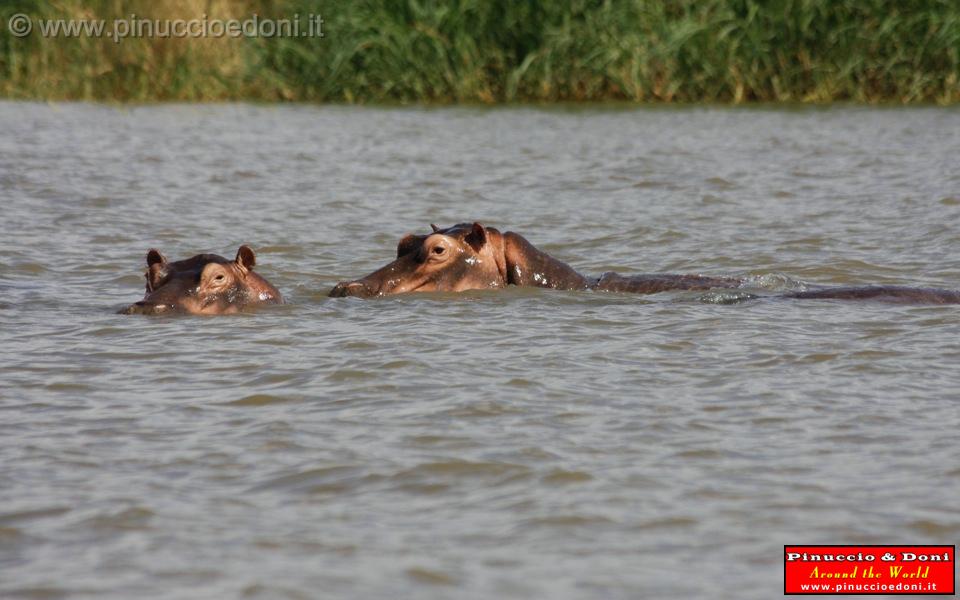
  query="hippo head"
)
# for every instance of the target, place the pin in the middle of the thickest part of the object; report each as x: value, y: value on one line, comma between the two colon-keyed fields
x: 467, y: 256
x: 204, y: 284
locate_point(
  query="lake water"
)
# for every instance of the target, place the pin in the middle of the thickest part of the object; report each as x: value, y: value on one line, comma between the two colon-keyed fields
x: 514, y: 444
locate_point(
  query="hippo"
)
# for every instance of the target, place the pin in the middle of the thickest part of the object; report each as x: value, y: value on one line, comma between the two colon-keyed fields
x: 469, y: 256
x: 206, y: 284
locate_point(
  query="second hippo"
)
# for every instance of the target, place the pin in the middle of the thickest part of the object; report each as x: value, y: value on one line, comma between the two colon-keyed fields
x: 469, y: 256
x: 206, y: 284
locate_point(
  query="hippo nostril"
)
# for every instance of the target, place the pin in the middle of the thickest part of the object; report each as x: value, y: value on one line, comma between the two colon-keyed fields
x: 350, y: 288
x: 146, y: 308
x: 137, y: 308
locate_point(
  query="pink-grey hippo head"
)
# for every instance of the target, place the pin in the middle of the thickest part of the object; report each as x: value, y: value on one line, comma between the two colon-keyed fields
x: 206, y: 284
x: 467, y: 256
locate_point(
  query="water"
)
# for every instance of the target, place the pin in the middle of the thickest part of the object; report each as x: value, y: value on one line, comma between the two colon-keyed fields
x: 515, y: 444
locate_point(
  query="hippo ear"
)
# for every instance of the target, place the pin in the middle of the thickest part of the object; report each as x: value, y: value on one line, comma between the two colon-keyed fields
x: 477, y: 237
x: 408, y: 244
x: 246, y: 259
x: 156, y: 269
x: 154, y: 257
x: 434, y: 227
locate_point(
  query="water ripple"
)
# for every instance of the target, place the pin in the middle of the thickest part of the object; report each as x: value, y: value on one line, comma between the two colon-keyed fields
x: 511, y: 444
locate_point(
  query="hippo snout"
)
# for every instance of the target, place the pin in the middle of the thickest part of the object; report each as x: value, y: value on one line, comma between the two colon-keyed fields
x: 145, y: 308
x: 357, y: 289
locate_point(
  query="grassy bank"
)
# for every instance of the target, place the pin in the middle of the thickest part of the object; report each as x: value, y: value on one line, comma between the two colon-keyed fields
x: 504, y: 51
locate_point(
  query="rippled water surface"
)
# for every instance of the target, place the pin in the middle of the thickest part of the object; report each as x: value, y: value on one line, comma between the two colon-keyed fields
x: 515, y: 444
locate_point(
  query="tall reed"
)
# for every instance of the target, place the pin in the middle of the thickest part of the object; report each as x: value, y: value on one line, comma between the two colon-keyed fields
x: 507, y: 51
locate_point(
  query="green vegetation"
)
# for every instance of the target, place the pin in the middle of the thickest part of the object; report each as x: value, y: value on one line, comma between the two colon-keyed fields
x: 505, y: 51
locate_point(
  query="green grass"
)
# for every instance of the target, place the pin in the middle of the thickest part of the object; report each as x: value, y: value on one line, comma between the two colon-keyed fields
x: 474, y: 51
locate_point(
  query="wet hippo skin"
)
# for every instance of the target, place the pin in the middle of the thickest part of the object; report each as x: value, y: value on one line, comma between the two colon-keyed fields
x: 882, y: 293
x: 469, y: 256
x: 203, y: 284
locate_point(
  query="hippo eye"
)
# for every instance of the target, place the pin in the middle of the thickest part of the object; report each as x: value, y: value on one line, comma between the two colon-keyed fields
x: 438, y: 249
x: 219, y: 277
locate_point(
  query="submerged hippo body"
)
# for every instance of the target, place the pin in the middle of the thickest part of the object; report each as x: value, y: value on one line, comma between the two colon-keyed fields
x: 472, y: 257
x: 893, y: 294
x: 206, y: 284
